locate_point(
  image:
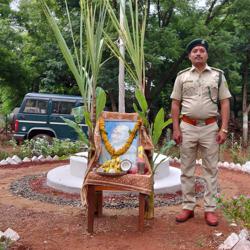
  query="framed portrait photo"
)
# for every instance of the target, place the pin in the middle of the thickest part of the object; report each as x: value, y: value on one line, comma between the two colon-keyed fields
x: 118, y: 132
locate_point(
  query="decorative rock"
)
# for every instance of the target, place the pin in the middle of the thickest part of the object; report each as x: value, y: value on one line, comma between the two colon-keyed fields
x: 226, y: 164
x: 8, y: 159
x: 34, y: 158
x: 244, y: 234
x: 11, y: 234
x: 55, y: 158
x: 1, y: 234
x: 41, y: 158
x: 243, y: 244
x: 11, y: 161
x: 247, y: 163
x: 49, y: 158
x: 26, y: 159
x: 16, y: 159
x: 230, y: 242
x: 238, y: 166
x: 247, y: 167
x: 218, y: 234
x: 233, y: 225
x: 3, y: 162
x: 220, y: 164
x: 231, y: 165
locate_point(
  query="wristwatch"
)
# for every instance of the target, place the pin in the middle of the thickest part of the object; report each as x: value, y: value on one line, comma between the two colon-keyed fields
x: 224, y: 130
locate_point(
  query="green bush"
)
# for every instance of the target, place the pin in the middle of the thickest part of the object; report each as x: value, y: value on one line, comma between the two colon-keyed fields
x: 40, y: 146
x: 236, y: 209
x: 3, y: 155
x: 238, y: 153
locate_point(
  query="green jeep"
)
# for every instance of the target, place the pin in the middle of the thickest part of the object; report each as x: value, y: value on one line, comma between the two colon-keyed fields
x: 40, y: 116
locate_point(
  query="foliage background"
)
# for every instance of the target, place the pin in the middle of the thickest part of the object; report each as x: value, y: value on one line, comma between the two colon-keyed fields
x: 31, y: 60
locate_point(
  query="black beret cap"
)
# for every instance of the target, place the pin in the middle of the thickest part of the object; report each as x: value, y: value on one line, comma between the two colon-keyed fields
x: 196, y: 42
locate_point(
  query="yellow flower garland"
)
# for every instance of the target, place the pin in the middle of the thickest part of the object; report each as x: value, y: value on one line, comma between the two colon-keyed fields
x: 115, y: 153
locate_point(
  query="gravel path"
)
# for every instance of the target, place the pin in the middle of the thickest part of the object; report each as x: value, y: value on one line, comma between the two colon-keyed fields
x: 26, y: 188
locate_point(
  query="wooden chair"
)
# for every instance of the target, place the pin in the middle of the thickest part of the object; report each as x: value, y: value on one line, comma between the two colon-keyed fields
x: 95, y: 204
x: 94, y: 185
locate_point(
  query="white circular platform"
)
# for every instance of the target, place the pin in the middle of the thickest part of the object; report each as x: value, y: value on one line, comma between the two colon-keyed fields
x: 69, y: 178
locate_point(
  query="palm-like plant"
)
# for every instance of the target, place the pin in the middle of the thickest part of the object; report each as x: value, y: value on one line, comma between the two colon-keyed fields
x: 91, y: 44
x: 132, y: 34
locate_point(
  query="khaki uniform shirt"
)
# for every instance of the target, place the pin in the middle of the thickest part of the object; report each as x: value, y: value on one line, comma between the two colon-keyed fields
x: 192, y: 89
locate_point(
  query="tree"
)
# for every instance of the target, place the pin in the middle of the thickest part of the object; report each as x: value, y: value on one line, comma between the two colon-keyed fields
x: 12, y: 70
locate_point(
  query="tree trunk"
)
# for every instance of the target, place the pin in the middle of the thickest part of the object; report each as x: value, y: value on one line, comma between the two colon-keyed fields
x: 149, y: 208
x: 245, y: 107
x: 150, y: 204
x: 245, y: 129
x: 112, y: 100
x: 91, y: 150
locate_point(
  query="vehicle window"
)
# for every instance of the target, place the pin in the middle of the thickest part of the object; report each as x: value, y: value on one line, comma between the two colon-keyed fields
x: 60, y: 107
x: 36, y: 106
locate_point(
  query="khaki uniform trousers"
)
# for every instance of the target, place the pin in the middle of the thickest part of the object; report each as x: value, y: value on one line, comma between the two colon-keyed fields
x: 202, y: 138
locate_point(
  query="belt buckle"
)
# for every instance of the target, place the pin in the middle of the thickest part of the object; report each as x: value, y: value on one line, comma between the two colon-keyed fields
x: 200, y: 123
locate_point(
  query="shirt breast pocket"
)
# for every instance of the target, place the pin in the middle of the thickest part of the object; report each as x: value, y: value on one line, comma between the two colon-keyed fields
x: 212, y: 90
x: 189, y: 88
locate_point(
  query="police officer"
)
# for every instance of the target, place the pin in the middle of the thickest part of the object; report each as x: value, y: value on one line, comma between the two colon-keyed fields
x: 196, y: 93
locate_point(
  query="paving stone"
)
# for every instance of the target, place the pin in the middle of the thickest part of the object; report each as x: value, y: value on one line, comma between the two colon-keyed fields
x: 11, y: 234
x: 41, y: 158
x: 16, y: 159
x: 230, y: 242
x: 34, y: 158
x: 26, y: 159
x: 243, y: 244
x: 3, y: 162
x: 244, y: 234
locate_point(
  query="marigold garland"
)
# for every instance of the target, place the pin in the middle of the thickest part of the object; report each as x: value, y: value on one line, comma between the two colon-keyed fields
x: 115, y: 153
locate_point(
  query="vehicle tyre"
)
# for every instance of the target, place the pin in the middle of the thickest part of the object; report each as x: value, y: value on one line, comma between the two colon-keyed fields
x: 43, y: 136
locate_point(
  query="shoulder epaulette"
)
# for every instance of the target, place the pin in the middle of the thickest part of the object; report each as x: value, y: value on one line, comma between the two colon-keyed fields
x: 219, y: 70
x: 182, y: 71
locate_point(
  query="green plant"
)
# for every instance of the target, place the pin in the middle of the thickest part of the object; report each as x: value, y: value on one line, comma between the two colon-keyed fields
x: 235, y: 209
x: 91, y: 46
x: 40, y: 146
x: 155, y: 131
x: 65, y: 147
x: 133, y: 35
x: 5, y: 243
x: 236, y: 149
x: 3, y: 155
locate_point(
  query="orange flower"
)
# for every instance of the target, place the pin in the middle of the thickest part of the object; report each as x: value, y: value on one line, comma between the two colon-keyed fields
x: 115, y: 153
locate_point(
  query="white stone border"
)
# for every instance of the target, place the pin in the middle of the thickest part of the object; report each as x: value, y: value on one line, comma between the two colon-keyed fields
x: 15, y: 160
x: 245, y: 168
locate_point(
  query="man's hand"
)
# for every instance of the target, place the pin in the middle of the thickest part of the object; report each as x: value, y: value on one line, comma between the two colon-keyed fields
x: 175, y: 112
x: 225, y: 112
x: 221, y: 137
x: 177, y: 136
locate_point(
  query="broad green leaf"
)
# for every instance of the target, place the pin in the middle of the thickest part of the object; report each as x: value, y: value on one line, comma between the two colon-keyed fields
x: 78, y: 114
x: 87, y: 118
x: 141, y: 100
x: 167, y: 122
x: 158, y: 126
x: 81, y: 135
x: 142, y: 115
x: 100, y: 101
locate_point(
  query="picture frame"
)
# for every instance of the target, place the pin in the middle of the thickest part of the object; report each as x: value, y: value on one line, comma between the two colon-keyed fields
x: 118, y: 132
